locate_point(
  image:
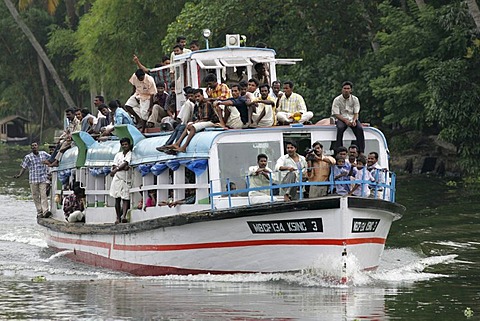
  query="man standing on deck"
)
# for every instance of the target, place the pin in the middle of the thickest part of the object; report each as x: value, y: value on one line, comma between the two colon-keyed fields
x: 38, y: 178
x: 318, y: 170
x: 290, y: 165
x: 121, y: 183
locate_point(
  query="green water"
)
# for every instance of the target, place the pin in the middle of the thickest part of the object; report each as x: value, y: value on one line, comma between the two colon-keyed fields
x: 441, y: 222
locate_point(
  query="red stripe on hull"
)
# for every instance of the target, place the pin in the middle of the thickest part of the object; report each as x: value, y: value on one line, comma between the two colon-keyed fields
x: 213, y: 245
x: 137, y: 269
x: 144, y: 270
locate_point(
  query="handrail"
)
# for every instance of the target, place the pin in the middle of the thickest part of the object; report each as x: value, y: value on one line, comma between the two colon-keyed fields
x: 384, y: 180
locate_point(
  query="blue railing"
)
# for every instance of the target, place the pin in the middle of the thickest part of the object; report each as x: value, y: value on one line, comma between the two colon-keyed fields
x: 382, y: 188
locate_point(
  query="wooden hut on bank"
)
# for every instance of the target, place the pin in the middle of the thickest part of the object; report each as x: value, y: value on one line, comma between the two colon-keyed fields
x: 13, y: 131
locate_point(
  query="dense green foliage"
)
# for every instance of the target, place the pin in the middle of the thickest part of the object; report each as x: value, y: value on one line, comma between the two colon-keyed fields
x: 413, y: 67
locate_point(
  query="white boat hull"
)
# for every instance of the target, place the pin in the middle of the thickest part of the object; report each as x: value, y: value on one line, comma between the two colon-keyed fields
x: 279, y: 238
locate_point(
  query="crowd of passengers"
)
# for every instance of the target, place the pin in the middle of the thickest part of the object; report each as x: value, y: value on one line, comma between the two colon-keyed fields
x: 236, y: 103
x: 351, y: 172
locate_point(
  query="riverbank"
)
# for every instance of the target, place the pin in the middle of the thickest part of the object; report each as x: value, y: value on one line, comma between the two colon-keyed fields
x: 416, y: 153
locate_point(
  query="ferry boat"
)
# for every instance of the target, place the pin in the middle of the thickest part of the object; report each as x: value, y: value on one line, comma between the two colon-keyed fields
x: 221, y: 232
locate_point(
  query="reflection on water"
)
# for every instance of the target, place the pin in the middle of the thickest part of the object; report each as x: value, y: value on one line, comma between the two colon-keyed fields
x: 429, y: 271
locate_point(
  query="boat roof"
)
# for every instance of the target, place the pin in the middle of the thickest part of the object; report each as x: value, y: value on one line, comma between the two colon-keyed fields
x: 99, y: 154
x: 229, y: 57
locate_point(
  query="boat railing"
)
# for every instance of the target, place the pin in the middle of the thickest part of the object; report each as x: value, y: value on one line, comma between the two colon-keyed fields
x: 382, y: 188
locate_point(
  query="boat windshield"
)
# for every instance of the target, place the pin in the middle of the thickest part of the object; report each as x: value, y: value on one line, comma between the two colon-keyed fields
x: 236, y: 158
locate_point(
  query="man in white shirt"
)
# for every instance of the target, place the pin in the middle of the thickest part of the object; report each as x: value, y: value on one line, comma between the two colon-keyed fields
x: 345, y: 109
x: 259, y: 176
x: 290, y: 165
x: 139, y: 103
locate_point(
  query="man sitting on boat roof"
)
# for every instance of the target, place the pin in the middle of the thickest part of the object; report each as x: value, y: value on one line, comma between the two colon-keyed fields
x: 216, y: 90
x: 204, y: 117
x: 185, y: 116
x: 139, y: 103
x: 119, y: 117
x: 65, y: 140
x: 264, y: 115
x: 235, y: 113
x: 345, y: 108
x: 291, y: 106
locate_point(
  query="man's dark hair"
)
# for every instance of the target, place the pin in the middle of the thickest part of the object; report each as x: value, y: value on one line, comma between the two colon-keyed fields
x: 264, y: 85
x: 292, y: 143
x: 353, y: 146
x: 113, y: 104
x: 317, y: 143
x: 195, y: 42
x: 180, y: 38
x: 375, y: 154
x: 258, y: 65
x: 347, y: 83
x: 85, y: 112
x: 187, y: 89
x: 260, y: 156
x: 341, y: 149
x: 101, y: 106
x: 198, y: 90
x: 276, y: 82
x: 253, y: 80
x: 101, y: 98
x: 210, y: 77
x: 243, y: 84
x: 235, y: 85
x: 289, y: 83
x: 70, y: 110
x: 165, y: 58
x: 362, y: 159
x: 178, y: 46
x: 139, y: 73
x: 125, y: 140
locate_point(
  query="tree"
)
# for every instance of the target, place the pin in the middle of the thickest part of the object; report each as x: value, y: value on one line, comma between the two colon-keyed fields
x: 474, y: 12
x: 28, y: 33
x: 108, y: 36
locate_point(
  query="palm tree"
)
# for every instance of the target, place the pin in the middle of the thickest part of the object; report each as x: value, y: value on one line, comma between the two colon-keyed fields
x: 474, y: 12
x: 43, y: 56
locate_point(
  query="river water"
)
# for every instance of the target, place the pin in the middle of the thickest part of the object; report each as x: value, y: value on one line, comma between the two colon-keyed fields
x: 430, y: 270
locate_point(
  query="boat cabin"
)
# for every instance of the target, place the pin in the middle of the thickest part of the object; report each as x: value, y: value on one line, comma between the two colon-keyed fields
x: 230, y: 64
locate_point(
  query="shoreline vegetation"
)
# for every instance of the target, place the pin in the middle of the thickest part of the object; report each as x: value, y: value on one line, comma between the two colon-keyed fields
x: 414, y: 65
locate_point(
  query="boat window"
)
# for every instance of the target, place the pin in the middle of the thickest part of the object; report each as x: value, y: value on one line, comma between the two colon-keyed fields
x: 236, y: 62
x: 303, y: 141
x: 210, y: 64
x: 235, y: 159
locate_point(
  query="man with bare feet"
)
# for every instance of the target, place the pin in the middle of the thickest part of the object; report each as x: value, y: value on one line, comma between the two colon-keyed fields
x: 204, y: 117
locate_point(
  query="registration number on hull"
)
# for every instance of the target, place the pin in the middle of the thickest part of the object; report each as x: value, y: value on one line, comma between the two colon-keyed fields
x: 304, y: 225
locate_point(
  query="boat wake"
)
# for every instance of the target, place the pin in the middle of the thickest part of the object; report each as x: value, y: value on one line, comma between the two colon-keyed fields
x: 398, y: 266
x: 57, y: 255
x: 24, y: 235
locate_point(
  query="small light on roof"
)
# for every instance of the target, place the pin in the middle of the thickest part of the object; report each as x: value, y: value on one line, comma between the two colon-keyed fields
x: 206, y: 33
